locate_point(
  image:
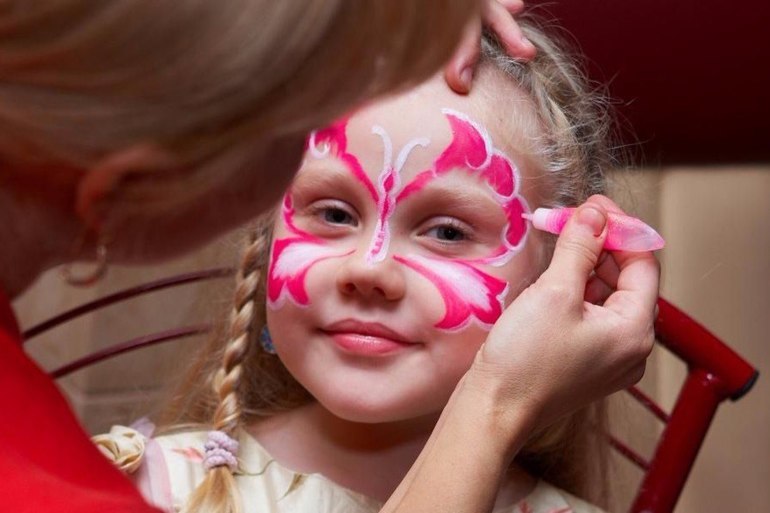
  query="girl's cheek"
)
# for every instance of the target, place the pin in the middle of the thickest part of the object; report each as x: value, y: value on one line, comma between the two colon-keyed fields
x: 431, y: 301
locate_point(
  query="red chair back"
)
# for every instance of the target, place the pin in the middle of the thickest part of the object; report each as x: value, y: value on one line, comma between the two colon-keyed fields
x: 715, y: 373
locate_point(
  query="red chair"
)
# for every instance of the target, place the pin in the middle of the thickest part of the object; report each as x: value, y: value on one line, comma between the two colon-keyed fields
x: 715, y: 373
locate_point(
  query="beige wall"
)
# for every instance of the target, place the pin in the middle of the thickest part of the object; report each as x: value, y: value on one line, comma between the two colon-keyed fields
x: 716, y: 267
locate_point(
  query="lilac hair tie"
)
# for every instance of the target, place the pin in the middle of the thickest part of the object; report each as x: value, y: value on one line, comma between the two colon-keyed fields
x: 220, y: 450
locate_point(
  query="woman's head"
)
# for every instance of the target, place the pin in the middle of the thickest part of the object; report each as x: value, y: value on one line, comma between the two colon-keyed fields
x: 401, y: 240
x: 148, y: 119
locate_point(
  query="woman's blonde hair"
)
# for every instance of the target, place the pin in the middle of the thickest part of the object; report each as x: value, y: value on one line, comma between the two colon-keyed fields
x: 575, y: 153
x: 80, y: 79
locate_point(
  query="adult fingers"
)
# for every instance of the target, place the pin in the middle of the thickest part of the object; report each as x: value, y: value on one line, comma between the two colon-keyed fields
x: 604, y: 281
x: 458, y: 73
x: 607, y: 270
x: 577, y: 250
x: 606, y: 203
x: 512, y: 6
x: 637, y: 284
x: 597, y: 291
x: 497, y: 16
x: 634, y: 275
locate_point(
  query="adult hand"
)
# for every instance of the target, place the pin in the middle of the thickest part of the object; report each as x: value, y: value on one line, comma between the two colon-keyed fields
x: 550, y: 353
x: 583, y: 330
x: 497, y: 16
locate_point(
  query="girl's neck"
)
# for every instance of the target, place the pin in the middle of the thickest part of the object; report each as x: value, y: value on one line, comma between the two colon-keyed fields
x: 370, y: 459
x: 33, y: 239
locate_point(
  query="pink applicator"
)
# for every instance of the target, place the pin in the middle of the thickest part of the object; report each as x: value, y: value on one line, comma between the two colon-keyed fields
x: 624, y: 233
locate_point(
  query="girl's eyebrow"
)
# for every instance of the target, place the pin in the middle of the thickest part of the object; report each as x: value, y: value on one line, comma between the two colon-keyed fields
x: 337, y: 173
x: 476, y: 202
x: 324, y: 175
x: 462, y: 197
x: 320, y: 172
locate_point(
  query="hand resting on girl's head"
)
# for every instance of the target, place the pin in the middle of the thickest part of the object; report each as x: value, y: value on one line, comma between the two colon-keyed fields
x: 496, y: 16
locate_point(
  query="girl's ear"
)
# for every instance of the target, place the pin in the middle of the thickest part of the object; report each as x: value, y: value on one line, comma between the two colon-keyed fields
x: 101, y: 184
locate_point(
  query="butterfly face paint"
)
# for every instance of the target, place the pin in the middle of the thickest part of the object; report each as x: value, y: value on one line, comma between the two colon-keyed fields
x: 468, y: 292
x: 292, y: 257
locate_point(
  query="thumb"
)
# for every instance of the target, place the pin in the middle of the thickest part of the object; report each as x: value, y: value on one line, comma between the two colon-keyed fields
x: 578, y: 248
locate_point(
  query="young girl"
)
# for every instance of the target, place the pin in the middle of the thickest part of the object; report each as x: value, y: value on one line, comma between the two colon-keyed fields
x: 363, y: 301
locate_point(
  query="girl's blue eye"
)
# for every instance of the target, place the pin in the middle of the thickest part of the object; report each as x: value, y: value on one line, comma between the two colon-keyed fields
x: 337, y: 216
x: 447, y: 233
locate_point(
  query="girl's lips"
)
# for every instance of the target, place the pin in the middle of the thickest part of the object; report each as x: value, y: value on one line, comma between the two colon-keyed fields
x: 366, y: 345
x: 366, y: 338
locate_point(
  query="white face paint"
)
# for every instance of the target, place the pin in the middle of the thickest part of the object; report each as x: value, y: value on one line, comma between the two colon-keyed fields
x: 388, y: 185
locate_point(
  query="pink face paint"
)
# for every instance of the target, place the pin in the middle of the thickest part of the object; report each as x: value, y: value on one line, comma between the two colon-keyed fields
x: 388, y: 184
x: 291, y: 259
x: 468, y: 293
x: 624, y: 233
x: 332, y: 140
x: 471, y: 149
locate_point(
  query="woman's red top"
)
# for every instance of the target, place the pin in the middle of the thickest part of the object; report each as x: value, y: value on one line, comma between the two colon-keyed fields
x: 47, y: 461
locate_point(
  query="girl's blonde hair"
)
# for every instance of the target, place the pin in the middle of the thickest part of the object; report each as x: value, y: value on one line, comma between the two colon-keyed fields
x: 80, y: 79
x: 574, y: 152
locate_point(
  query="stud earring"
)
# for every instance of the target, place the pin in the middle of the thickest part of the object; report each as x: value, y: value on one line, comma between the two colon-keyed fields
x: 266, y: 341
x: 90, y: 278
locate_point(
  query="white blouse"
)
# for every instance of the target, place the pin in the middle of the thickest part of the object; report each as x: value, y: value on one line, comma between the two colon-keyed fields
x: 168, y: 468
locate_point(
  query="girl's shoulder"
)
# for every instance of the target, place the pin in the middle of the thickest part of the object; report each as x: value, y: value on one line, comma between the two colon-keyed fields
x: 546, y: 498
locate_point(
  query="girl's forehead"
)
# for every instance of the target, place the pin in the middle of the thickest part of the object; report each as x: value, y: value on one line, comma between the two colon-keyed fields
x: 431, y: 127
x: 377, y: 132
x: 415, y: 120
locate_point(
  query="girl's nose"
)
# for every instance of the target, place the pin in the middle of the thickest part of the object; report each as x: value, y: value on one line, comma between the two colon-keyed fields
x: 371, y: 280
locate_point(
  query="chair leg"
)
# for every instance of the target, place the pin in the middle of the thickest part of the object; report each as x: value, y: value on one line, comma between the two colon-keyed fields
x: 680, y: 442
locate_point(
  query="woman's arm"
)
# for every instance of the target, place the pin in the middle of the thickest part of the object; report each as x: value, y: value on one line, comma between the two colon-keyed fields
x: 461, y: 466
x: 550, y: 353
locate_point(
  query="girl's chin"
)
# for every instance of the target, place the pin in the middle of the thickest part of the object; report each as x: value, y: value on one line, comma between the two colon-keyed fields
x: 379, y: 413
x: 367, y: 415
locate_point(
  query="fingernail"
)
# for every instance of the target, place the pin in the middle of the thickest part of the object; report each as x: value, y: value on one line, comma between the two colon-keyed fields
x: 526, y: 42
x: 466, y: 77
x: 592, y: 219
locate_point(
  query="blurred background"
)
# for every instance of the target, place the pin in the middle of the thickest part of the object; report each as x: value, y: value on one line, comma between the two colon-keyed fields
x: 691, y: 81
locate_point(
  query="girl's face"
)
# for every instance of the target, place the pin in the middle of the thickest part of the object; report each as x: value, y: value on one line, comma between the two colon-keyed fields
x: 398, y: 245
